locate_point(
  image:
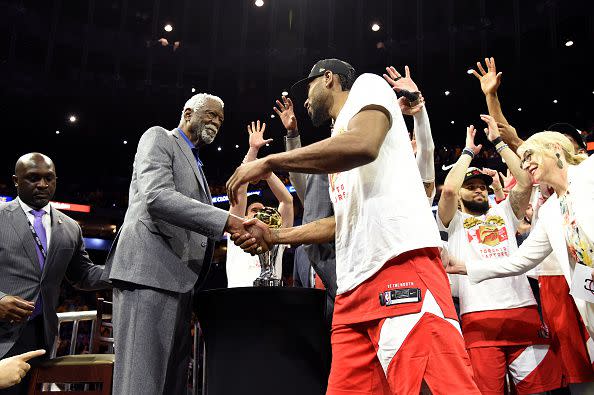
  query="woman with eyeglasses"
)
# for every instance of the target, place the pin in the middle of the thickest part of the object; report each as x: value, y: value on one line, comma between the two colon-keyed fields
x: 565, y: 227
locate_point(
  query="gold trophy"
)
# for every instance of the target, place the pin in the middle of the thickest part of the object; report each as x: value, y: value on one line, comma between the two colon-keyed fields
x: 268, y: 275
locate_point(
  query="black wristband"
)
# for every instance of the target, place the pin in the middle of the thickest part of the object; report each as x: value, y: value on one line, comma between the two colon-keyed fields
x: 497, y: 140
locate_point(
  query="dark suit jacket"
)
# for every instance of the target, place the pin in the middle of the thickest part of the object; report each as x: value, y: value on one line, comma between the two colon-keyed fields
x: 170, y: 227
x: 301, y: 269
x: 21, y: 274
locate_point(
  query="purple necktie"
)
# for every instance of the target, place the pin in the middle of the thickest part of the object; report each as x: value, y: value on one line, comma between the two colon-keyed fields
x: 40, y: 230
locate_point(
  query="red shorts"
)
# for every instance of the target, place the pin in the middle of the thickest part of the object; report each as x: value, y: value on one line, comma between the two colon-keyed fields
x: 568, y: 334
x: 390, y: 349
x: 533, y: 368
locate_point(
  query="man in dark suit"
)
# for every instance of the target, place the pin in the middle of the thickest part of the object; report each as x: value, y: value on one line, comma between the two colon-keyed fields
x: 163, y: 251
x: 39, y: 247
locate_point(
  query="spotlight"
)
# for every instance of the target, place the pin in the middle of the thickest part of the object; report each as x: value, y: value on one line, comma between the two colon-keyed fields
x: 569, y: 43
x: 193, y: 90
x: 519, y: 108
x: 447, y: 93
x: 268, y: 145
x: 259, y: 3
x: 125, y: 142
x: 375, y: 27
x: 168, y: 27
x: 469, y: 71
x: 285, y: 93
x: 271, y: 115
x: 72, y: 119
x: 57, y: 132
x: 555, y: 101
x: 236, y: 145
x: 452, y: 122
x: 219, y: 149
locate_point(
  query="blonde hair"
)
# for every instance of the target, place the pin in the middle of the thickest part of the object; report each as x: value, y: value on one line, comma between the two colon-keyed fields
x: 544, y: 143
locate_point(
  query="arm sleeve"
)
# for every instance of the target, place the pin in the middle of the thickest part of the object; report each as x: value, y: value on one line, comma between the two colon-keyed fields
x: 154, y: 160
x: 81, y: 271
x: 529, y: 255
x: 297, y: 179
x: 425, y: 146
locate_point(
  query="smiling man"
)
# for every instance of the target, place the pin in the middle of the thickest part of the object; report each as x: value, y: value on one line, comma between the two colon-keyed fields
x: 164, y: 250
x: 39, y: 248
x: 500, y: 320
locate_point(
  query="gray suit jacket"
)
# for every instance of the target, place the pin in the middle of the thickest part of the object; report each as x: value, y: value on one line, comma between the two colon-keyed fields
x: 313, y: 192
x: 170, y: 227
x: 21, y: 275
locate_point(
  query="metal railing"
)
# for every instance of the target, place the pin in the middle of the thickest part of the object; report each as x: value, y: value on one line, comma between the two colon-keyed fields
x: 75, y: 317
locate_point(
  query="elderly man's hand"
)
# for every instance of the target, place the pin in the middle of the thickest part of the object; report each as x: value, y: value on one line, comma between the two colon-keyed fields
x: 257, y: 241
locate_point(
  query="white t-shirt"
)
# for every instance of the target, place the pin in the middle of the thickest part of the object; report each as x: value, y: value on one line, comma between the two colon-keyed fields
x: 484, y: 237
x: 243, y: 268
x: 381, y: 208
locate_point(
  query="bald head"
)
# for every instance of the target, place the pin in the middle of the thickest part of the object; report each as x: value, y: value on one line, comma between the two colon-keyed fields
x: 35, y: 179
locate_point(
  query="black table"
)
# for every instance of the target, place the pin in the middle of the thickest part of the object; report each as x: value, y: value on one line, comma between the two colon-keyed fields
x: 264, y: 341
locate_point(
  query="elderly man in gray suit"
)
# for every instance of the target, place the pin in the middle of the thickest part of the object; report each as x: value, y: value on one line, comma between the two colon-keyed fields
x: 39, y: 247
x: 163, y: 252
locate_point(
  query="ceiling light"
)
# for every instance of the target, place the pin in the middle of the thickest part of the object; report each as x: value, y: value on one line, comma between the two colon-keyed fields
x: 375, y: 27
x: 271, y: 115
x: 236, y: 145
x: 285, y: 93
x: 555, y: 101
x: 219, y: 149
x: 193, y: 90
x: 452, y: 122
x: 469, y: 71
x: 268, y: 145
x: 519, y: 108
x: 125, y: 142
x: 72, y: 118
x: 168, y: 27
x: 569, y: 43
x: 259, y: 3
x: 57, y: 132
x: 447, y: 93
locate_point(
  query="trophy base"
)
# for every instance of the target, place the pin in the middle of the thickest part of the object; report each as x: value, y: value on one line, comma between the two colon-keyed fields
x: 268, y: 282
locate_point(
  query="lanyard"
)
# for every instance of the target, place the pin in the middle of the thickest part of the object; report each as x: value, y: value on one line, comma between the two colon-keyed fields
x: 37, y: 240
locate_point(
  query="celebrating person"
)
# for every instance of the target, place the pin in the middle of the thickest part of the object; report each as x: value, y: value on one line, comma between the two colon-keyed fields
x: 500, y: 320
x: 565, y: 225
x: 243, y: 269
x: 386, y: 243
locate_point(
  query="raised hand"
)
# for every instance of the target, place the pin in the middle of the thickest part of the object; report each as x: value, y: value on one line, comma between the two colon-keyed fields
x: 406, y: 108
x: 490, y: 79
x: 398, y: 82
x: 286, y: 113
x: 256, y: 132
x: 470, y: 134
x: 492, y: 131
x: 496, y: 185
x: 248, y: 172
x: 507, y: 132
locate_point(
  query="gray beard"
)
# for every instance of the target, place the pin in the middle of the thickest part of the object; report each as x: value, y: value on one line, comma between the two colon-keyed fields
x: 207, y: 136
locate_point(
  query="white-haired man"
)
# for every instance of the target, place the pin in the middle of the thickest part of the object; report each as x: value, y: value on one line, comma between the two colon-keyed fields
x: 163, y: 251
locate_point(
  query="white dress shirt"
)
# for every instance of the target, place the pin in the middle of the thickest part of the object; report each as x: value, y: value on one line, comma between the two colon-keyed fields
x: 46, y: 220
